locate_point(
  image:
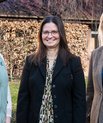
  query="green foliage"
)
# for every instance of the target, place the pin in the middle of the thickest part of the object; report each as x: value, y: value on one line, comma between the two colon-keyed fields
x: 14, y: 86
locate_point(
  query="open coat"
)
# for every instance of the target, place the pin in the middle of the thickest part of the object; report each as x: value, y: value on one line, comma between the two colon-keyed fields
x: 68, y: 92
x: 95, y: 87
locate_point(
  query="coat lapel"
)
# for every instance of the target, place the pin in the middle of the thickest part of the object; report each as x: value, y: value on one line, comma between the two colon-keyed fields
x: 42, y: 68
x: 58, y: 67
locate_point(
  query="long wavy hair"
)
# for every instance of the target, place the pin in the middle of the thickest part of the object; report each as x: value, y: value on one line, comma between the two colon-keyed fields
x: 64, y: 51
x: 100, y: 31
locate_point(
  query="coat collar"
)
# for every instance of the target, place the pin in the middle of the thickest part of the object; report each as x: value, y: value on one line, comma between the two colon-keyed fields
x: 57, y: 69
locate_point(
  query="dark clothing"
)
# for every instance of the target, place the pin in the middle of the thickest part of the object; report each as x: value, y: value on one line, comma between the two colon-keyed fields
x: 68, y: 92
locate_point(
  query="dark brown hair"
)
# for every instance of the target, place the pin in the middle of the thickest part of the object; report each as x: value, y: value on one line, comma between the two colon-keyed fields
x: 64, y: 51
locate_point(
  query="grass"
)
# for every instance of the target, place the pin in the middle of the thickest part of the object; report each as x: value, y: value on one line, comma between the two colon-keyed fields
x: 14, y: 86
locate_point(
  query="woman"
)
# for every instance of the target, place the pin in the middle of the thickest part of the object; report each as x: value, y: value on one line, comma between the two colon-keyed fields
x: 95, y: 82
x: 5, y: 96
x: 52, y: 88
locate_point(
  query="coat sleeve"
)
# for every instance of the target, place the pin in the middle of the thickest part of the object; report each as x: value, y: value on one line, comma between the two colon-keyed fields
x: 3, y: 89
x: 90, y: 89
x: 23, y: 96
x: 79, y: 92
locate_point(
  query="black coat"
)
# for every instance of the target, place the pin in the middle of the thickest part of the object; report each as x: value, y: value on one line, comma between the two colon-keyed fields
x: 68, y: 92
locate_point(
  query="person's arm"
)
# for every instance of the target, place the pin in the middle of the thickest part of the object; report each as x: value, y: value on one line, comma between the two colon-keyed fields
x: 79, y: 92
x: 3, y: 89
x: 23, y: 96
x: 90, y: 89
x: 9, y: 107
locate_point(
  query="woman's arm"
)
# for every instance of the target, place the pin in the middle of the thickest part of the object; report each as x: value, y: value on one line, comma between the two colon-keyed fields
x: 23, y: 96
x: 79, y: 92
x: 3, y: 90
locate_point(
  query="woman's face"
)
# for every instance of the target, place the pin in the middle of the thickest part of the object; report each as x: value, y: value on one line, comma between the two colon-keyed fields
x: 50, y: 35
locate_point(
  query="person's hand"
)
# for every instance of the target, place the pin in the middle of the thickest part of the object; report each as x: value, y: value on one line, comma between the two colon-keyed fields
x: 8, y: 119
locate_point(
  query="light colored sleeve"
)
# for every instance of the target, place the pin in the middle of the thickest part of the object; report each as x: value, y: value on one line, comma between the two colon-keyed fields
x: 9, y: 104
x: 3, y: 89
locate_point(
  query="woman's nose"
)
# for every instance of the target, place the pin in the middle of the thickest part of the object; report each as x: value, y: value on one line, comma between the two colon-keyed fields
x: 50, y: 34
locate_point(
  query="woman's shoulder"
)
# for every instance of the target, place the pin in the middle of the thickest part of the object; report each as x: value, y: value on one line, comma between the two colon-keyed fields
x: 98, y: 49
x: 30, y: 58
x: 71, y: 56
x: 1, y: 56
x: 2, y: 62
x: 75, y: 61
x: 75, y: 58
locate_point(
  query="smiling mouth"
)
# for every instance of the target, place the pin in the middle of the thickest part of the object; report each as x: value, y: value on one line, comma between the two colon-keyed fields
x: 50, y: 40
